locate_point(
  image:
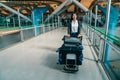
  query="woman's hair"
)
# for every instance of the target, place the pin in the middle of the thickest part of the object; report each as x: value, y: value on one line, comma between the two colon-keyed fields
x: 72, y: 15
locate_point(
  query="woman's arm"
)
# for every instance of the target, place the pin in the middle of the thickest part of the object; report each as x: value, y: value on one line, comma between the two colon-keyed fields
x: 79, y: 28
x: 69, y: 30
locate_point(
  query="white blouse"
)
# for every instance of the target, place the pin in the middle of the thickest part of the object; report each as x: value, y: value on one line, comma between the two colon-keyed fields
x: 74, y: 26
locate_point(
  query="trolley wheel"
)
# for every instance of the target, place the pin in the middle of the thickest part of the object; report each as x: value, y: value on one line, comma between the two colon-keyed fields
x: 71, y: 68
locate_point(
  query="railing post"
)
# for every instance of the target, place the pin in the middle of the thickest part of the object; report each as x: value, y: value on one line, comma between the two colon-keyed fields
x: 52, y: 26
x: 88, y: 32
x: 56, y: 25
x: 14, y: 21
x: 35, y: 31
x: 49, y: 27
x: 93, y: 36
x: 21, y: 31
x: 88, y: 23
x: 101, y: 48
x: 43, y: 26
x: 59, y: 21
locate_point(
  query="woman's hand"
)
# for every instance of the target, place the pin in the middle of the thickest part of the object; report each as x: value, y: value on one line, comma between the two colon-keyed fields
x: 79, y: 35
x: 68, y: 35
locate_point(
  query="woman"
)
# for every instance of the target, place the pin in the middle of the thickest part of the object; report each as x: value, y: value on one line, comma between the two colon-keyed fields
x: 74, y: 26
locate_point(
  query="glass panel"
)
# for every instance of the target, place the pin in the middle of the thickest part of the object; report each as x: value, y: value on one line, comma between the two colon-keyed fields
x: 112, y: 57
x: 112, y: 62
x: 29, y: 33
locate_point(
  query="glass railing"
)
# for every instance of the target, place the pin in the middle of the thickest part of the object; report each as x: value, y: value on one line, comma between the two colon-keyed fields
x: 115, y: 38
x: 10, y: 36
x: 111, y: 58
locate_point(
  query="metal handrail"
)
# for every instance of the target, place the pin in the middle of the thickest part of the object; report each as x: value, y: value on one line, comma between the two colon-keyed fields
x: 28, y: 27
x: 109, y: 36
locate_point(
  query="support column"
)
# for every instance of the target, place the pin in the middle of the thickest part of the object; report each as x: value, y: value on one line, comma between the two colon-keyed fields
x: 96, y: 12
x: 106, y: 50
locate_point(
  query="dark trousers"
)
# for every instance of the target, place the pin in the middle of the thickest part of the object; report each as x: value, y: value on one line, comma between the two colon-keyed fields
x: 73, y: 34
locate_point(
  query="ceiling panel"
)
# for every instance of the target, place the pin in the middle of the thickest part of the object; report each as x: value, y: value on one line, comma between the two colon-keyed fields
x: 30, y: 4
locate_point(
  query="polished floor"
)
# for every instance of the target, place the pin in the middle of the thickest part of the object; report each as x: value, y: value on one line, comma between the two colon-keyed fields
x: 35, y: 59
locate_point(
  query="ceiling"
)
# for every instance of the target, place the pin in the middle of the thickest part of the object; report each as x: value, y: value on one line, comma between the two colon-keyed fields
x: 26, y: 6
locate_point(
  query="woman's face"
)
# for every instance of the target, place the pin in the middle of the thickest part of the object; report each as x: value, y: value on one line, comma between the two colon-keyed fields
x: 74, y: 16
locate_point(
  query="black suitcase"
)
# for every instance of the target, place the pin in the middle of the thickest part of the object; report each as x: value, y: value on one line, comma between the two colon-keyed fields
x: 72, y: 40
x: 77, y: 51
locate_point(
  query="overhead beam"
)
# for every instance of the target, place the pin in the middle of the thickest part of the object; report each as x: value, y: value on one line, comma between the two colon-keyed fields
x: 57, y: 10
x: 64, y: 8
x: 80, y: 5
x: 93, y: 4
x: 15, y: 12
x: 63, y: 4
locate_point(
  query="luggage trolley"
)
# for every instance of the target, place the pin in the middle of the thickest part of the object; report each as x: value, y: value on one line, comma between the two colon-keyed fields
x: 71, y: 62
x: 70, y: 53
